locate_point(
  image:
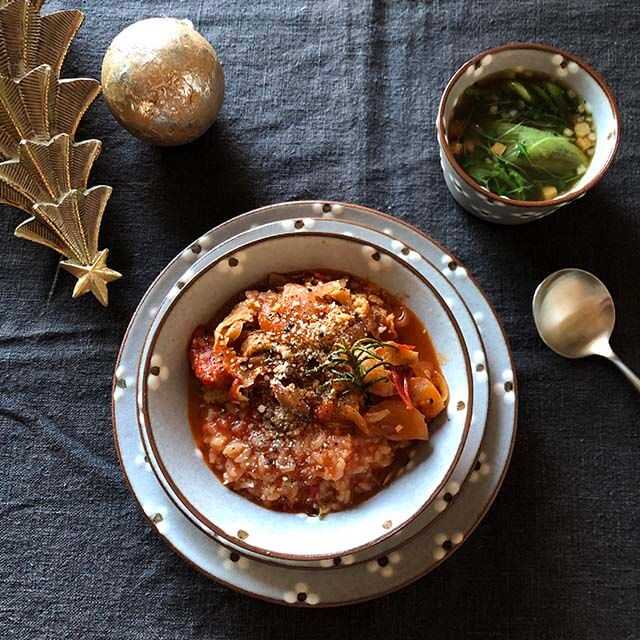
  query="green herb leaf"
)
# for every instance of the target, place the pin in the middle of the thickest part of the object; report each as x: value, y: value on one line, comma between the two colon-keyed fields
x: 345, y: 364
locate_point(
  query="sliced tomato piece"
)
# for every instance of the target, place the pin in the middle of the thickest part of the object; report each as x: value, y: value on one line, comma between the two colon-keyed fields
x: 400, y: 345
x: 212, y: 365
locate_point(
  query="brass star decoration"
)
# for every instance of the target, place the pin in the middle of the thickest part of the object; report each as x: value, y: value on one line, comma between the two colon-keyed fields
x: 43, y: 171
x: 92, y: 277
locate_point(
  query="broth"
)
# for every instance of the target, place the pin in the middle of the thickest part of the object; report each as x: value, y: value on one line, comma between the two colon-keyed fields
x: 522, y: 135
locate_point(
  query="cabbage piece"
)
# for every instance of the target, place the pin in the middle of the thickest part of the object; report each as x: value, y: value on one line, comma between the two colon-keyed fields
x: 231, y: 327
x: 544, y: 151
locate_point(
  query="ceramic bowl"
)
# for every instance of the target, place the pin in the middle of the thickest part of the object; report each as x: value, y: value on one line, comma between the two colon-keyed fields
x: 440, y: 277
x: 292, y: 245
x: 569, y: 71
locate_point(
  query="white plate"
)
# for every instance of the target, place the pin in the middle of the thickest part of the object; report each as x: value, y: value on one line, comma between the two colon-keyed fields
x: 281, y: 247
x: 349, y: 582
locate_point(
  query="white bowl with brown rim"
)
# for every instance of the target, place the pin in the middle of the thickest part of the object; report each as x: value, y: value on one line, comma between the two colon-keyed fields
x: 571, y: 72
x: 288, y: 246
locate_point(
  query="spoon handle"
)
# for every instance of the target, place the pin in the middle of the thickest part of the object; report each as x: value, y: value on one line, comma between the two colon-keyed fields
x: 632, y: 377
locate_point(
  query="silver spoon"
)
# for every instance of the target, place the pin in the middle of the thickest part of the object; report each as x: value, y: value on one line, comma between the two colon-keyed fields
x: 574, y: 315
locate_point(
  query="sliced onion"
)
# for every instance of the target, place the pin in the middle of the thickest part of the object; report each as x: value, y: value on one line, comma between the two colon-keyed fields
x: 441, y: 385
x: 426, y: 396
x: 375, y: 416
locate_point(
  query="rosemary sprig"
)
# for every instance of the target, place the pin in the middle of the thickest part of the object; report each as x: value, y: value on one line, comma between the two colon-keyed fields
x: 347, y: 364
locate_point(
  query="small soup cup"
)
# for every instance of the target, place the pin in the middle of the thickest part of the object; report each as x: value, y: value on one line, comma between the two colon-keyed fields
x: 571, y: 72
x: 295, y: 245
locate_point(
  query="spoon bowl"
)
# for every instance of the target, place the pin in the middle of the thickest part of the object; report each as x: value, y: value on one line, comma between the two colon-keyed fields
x: 575, y: 315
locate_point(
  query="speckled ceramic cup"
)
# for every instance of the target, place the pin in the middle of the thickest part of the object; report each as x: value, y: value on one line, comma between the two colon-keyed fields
x: 569, y: 71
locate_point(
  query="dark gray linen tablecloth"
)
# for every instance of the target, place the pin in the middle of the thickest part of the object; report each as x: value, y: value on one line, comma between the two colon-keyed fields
x: 335, y: 100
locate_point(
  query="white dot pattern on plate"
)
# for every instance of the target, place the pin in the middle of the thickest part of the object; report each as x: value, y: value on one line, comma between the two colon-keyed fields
x: 480, y: 469
x: 327, y: 210
x: 298, y: 224
x: 479, y: 365
x: 384, y: 565
x: 192, y: 253
x: 233, y: 265
x: 205, y: 242
x: 234, y: 561
x: 158, y: 516
x: 445, y: 543
x: 121, y: 383
x: 379, y: 260
x: 301, y: 594
x: 158, y: 373
x: 449, y: 492
x: 142, y: 461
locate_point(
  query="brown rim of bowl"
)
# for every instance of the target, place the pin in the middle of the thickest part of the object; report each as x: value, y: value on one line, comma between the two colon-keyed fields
x: 180, y: 500
x: 571, y: 195
x: 476, y: 522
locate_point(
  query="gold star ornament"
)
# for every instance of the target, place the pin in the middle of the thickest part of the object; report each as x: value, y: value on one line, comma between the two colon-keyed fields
x: 92, y: 277
x: 43, y: 170
x: 71, y: 227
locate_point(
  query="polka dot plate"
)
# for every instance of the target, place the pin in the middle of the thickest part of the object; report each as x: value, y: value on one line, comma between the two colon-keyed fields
x: 292, y: 245
x: 345, y: 580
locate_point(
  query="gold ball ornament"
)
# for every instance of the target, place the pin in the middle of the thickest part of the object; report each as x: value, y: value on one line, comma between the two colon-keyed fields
x: 163, y: 81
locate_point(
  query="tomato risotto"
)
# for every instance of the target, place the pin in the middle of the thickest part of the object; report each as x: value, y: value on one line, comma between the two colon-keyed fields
x: 312, y: 390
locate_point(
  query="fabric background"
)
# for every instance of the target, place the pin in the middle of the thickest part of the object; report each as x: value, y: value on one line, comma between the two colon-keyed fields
x: 334, y: 100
